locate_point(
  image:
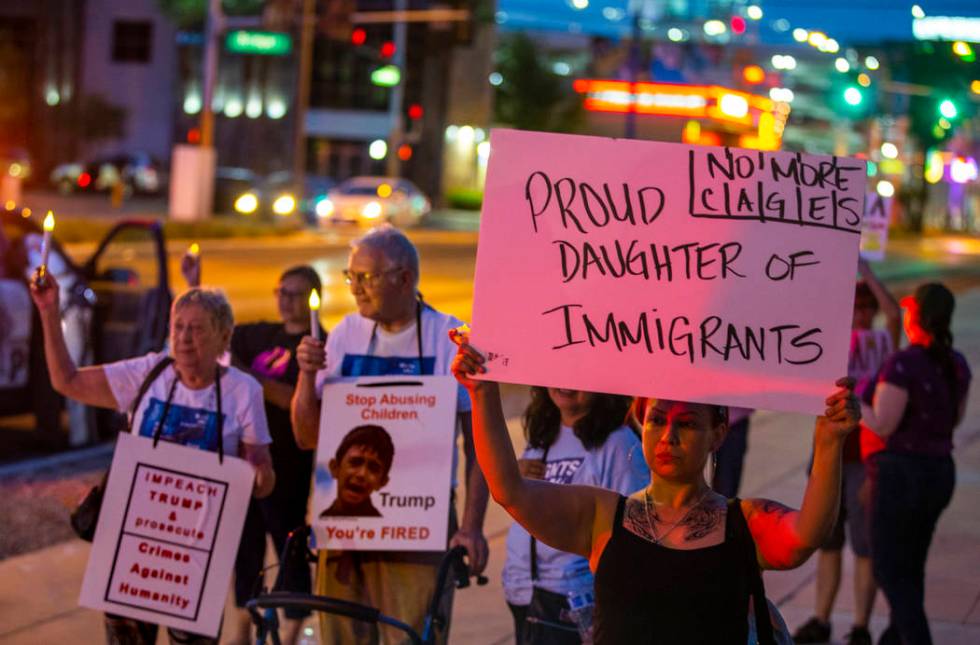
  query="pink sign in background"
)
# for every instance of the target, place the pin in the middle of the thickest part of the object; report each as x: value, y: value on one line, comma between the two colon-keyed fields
x: 686, y: 272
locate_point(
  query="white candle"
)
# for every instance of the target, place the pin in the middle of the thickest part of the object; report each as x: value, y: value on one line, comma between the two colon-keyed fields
x: 46, y: 242
x: 314, y: 314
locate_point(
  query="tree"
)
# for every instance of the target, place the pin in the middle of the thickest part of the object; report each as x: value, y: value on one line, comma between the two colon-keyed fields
x: 531, y: 96
x: 191, y: 13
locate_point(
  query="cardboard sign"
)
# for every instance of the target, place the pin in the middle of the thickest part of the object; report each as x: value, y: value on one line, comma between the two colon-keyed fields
x: 693, y: 273
x: 384, y: 464
x: 169, y: 529
x: 874, y: 226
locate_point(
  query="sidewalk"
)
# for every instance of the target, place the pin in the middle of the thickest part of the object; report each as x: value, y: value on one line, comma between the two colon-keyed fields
x: 39, y: 591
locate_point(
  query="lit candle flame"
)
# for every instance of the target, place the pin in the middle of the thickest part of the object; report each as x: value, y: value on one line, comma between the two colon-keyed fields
x: 49, y: 221
x: 194, y: 249
x: 314, y: 300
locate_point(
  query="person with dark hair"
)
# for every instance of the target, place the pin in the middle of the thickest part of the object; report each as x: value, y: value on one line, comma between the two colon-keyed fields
x: 869, y: 348
x: 674, y: 562
x: 918, y: 400
x: 573, y: 437
x: 360, y: 467
x: 267, y: 351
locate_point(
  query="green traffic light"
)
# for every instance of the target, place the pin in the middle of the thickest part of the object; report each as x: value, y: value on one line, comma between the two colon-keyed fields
x: 948, y: 109
x: 853, y: 96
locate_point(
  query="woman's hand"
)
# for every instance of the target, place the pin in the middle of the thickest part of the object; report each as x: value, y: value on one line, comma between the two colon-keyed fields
x: 190, y: 268
x: 468, y: 362
x: 311, y: 355
x: 45, y: 294
x: 531, y: 468
x: 842, y: 414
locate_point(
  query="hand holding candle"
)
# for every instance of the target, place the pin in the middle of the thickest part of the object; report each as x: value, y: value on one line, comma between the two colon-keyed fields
x: 190, y: 265
x: 314, y: 314
x: 42, y: 269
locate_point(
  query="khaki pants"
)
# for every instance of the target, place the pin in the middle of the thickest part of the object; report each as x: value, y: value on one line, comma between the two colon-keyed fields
x: 400, y: 585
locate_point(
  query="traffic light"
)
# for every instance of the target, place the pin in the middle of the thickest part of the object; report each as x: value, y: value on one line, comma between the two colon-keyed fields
x: 948, y: 109
x: 853, y: 96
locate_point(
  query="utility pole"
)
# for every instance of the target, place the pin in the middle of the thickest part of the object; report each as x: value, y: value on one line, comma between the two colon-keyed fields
x: 307, y: 23
x: 215, y: 25
x: 634, y: 65
x: 397, y: 97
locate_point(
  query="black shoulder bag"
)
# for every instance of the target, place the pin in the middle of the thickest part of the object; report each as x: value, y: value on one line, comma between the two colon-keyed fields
x: 765, y: 634
x: 86, y: 515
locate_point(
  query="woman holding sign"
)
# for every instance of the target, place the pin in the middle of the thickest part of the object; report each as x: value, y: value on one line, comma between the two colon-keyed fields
x: 673, y: 562
x: 185, y: 397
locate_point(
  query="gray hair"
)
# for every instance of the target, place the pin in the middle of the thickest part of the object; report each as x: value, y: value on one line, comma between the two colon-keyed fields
x: 393, y: 244
x: 213, y: 301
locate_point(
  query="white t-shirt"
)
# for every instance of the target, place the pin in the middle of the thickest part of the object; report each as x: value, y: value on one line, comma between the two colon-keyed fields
x: 351, y: 351
x: 192, y: 419
x: 617, y: 465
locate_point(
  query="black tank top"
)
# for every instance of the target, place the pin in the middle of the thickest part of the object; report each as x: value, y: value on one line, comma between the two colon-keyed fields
x: 651, y: 594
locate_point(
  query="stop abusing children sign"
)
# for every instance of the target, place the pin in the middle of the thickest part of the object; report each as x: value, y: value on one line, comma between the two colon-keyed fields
x: 168, y: 532
x: 716, y: 275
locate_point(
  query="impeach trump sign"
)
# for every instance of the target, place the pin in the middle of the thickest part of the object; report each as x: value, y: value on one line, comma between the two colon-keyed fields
x: 165, y: 545
x: 707, y: 274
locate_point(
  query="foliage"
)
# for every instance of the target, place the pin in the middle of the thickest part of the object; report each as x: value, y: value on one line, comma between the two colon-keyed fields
x: 191, y: 13
x: 531, y: 96
x: 465, y: 198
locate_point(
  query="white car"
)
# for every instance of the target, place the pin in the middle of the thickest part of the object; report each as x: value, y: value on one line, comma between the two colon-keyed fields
x: 372, y: 200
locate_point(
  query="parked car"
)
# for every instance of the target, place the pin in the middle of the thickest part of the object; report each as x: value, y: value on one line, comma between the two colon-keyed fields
x: 115, y: 305
x: 138, y: 173
x: 370, y: 200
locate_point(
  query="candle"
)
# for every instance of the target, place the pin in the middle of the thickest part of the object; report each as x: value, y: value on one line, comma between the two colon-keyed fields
x: 314, y: 314
x: 194, y: 249
x: 46, y: 243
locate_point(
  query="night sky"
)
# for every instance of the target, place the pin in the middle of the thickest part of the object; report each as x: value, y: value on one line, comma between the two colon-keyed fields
x: 848, y: 21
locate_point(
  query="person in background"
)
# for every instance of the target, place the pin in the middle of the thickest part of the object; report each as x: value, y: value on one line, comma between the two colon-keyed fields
x: 393, y: 332
x: 267, y: 351
x: 918, y: 399
x: 730, y: 458
x: 870, y: 347
x: 189, y: 399
x: 573, y: 438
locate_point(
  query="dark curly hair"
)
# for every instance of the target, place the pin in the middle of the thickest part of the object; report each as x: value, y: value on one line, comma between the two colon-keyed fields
x: 542, y: 419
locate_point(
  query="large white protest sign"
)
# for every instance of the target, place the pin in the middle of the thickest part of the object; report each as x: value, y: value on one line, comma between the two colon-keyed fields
x: 168, y: 532
x: 694, y: 273
x: 384, y: 464
x: 874, y: 226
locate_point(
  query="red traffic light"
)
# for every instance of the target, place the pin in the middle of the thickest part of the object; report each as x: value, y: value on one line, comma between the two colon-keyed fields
x: 738, y: 25
x: 415, y: 111
x: 358, y: 36
x: 404, y: 152
x: 388, y: 49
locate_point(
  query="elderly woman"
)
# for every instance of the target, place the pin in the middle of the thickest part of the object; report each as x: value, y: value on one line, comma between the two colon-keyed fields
x: 183, y: 393
x: 668, y: 559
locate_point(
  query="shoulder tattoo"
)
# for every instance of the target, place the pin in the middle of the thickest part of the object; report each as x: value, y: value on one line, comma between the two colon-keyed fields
x: 704, y: 519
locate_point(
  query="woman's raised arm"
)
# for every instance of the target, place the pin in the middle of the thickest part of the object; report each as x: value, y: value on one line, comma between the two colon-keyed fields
x: 560, y: 516
x: 785, y: 537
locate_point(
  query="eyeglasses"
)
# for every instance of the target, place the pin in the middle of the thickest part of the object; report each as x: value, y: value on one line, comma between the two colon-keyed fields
x: 367, y: 278
x: 289, y: 295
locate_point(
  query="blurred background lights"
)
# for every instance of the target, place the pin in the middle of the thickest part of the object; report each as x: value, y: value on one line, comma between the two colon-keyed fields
x: 889, y: 150
x: 754, y: 12
x: 378, y: 149
x: 871, y: 63
x: 886, y: 188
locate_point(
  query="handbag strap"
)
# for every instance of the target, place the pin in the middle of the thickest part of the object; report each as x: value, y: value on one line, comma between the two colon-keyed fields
x: 219, y: 420
x: 534, y: 542
x: 763, y: 623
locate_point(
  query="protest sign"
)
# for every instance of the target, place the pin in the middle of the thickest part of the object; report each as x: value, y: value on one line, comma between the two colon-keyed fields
x: 874, y: 226
x: 165, y: 545
x: 694, y: 273
x: 384, y: 464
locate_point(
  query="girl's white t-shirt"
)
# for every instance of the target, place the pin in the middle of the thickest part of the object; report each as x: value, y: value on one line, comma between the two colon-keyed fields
x: 617, y: 465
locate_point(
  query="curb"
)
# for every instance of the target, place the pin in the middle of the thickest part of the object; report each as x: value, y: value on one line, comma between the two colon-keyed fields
x: 42, y: 463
